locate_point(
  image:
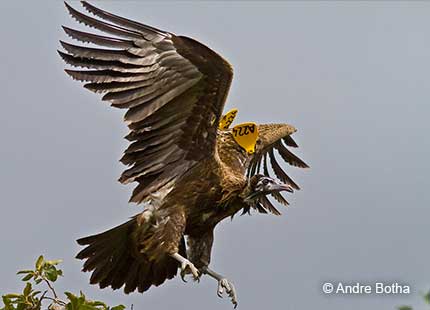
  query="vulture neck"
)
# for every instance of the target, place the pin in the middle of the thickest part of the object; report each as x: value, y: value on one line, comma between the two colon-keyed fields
x: 232, y: 163
x: 231, y: 156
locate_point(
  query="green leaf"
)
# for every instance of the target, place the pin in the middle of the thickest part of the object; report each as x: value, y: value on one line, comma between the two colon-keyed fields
x: 27, y: 289
x: 38, y: 281
x: 118, y: 307
x: 427, y: 298
x: 27, y: 277
x: 70, y: 296
x: 51, y: 274
x: 87, y: 307
x: 74, y: 301
x: 24, y: 271
x: 7, y: 302
x: 39, y: 262
x: 405, y: 308
x: 97, y: 303
x: 54, y: 262
x: 35, y: 293
x: 11, y: 295
x: 8, y: 305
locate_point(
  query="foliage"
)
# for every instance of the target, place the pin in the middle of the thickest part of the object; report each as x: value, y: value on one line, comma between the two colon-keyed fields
x: 46, y: 272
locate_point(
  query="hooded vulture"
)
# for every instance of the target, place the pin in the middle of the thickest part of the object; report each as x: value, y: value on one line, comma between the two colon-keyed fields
x: 192, y: 170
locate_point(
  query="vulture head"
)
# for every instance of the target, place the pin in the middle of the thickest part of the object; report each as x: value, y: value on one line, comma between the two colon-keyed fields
x: 264, y: 185
x: 258, y: 188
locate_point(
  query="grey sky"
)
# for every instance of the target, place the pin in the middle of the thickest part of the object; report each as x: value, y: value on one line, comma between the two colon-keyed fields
x: 352, y: 77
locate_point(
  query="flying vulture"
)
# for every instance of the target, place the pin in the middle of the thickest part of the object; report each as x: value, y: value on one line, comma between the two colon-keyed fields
x: 192, y: 170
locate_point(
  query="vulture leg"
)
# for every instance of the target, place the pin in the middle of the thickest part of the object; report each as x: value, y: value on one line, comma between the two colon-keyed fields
x: 199, y: 248
x: 186, y: 266
x: 224, y: 285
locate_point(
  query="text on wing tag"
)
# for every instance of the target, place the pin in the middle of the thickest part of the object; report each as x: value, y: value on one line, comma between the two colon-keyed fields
x: 227, y: 119
x: 246, y: 136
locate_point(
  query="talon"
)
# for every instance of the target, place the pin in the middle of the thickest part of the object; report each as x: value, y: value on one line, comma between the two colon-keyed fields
x: 195, y: 272
x: 192, y: 269
x: 183, y: 276
x: 220, y: 291
x: 226, y: 285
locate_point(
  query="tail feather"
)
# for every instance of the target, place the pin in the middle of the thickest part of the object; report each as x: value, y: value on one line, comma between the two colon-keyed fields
x: 107, y: 235
x: 101, y: 244
x: 118, y: 277
x: 161, y: 272
x: 131, y: 280
x: 99, y: 258
x: 105, y: 254
x: 120, y: 268
x: 115, y: 260
x: 98, y: 247
x: 144, y: 274
x: 100, y: 272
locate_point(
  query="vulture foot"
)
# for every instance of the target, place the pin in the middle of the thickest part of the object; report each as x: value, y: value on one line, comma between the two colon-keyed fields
x: 187, y: 267
x: 224, y: 285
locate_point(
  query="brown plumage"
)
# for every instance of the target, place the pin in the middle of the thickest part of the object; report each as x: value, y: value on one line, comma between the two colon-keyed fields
x: 190, y: 174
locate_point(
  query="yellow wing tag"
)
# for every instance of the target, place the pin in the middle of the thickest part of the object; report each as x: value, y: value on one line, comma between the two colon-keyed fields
x: 246, y: 135
x: 227, y: 119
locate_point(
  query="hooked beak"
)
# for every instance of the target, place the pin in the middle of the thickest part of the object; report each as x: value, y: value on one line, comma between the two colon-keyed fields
x: 282, y: 187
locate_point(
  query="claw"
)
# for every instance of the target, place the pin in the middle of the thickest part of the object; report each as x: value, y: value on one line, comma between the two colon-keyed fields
x: 228, y: 287
x: 183, y: 276
x: 185, y: 265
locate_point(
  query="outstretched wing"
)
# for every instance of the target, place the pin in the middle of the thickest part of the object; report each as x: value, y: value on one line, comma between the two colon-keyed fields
x: 275, y: 137
x: 173, y: 88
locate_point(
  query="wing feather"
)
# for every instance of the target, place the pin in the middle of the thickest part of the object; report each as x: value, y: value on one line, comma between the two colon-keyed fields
x: 290, y: 141
x: 265, y: 170
x: 106, y: 54
x: 129, y: 24
x: 138, y: 113
x: 115, y: 66
x: 153, y: 88
x: 280, y: 174
x: 265, y: 202
x: 116, y: 87
x: 102, y: 26
x: 173, y: 88
x: 290, y: 157
x: 86, y: 37
x: 105, y: 76
x: 279, y: 198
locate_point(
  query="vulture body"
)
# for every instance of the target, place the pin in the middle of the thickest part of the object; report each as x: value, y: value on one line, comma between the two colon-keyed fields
x: 190, y: 173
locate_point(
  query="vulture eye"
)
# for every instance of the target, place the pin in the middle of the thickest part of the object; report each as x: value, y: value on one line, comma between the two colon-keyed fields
x: 265, y: 181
